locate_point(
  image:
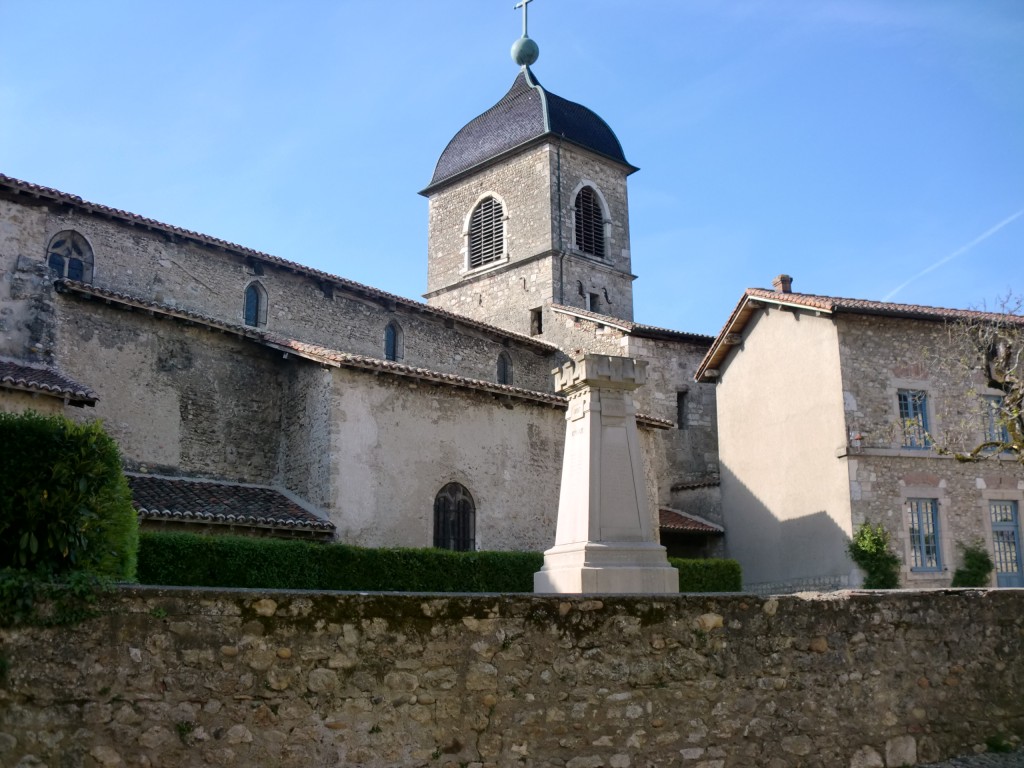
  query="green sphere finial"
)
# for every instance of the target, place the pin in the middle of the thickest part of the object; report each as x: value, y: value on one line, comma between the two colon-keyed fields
x: 525, y: 51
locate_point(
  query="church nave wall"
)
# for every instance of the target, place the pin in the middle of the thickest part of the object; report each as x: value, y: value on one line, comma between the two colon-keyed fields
x: 176, y: 398
x: 396, y: 443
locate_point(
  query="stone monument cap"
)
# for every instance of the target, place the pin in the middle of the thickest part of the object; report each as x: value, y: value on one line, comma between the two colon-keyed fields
x: 601, y: 372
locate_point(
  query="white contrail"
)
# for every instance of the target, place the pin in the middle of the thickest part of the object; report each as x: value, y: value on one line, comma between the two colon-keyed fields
x: 958, y: 252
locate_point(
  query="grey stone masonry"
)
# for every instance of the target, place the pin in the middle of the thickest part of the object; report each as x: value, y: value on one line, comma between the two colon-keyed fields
x: 880, y: 357
x: 154, y: 263
x: 540, y: 263
x: 171, y: 677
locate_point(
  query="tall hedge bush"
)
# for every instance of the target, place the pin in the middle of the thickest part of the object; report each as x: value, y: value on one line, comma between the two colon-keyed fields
x: 184, y: 559
x: 64, y: 501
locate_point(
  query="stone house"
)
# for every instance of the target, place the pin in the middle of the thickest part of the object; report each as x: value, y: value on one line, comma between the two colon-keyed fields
x: 827, y: 411
x: 254, y: 394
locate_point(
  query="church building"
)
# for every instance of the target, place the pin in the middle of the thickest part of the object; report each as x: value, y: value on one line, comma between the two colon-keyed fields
x: 256, y: 395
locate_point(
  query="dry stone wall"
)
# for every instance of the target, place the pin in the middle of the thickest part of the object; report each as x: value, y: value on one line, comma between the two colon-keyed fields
x: 166, y: 677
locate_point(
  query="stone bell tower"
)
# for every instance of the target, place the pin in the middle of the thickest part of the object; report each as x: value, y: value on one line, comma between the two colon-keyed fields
x: 528, y: 209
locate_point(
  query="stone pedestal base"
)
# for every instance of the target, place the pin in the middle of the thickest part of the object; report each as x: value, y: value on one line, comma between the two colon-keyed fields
x: 606, y: 567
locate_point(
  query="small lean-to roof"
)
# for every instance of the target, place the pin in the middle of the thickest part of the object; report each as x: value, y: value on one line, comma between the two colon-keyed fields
x: 526, y: 113
x: 15, y: 188
x: 185, y: 500
x: 44, y: 381
x: 683, y: 522
x: 634, y: 329
x: 754, y: 299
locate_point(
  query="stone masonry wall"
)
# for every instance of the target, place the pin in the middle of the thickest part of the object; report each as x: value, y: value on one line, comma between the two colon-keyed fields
x: 881, y: 486
x: 879, y: 357
x: 882, y: 355
x: 521, y: 184
x: 693, y: 444
x: 306, y: 433
x: 579, y: 168
x: 177, y: 397
x: 504, y: 297
x: 527, y: 185
x: 172, y: 677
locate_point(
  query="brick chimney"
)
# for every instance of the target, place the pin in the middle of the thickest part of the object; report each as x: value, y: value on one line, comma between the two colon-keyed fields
x: 783, y: 284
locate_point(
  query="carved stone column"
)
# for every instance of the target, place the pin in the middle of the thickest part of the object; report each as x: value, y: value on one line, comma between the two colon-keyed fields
x: 604, y: 541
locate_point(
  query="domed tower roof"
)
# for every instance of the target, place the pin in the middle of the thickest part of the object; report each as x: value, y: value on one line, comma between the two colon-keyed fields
x: 526, y: 113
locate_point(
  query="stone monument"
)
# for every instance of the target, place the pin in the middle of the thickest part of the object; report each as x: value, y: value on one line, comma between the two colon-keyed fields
x: 604, y: 541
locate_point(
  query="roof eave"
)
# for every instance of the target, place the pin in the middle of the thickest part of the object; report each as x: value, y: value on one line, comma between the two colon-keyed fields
x: 542, y: 138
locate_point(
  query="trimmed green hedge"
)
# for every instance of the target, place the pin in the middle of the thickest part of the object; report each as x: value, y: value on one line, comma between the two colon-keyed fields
x: 64, y: 502
x: 711, y: 575
x: 184, y: 559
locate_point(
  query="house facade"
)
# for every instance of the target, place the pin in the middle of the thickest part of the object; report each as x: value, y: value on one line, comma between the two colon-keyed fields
x: 832, y: 413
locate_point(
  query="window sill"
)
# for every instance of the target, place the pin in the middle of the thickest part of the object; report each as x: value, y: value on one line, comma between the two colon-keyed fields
x: 914, y: 453
x: 474, y: 271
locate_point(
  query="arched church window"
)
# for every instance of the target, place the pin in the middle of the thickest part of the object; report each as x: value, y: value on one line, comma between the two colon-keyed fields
x: 455, y: 519
x: 589, y: 222
x: 394, y: 346
x: 255, y: 310
x: 504, y: 368
x: 486, y: 232
x: 70, y: 255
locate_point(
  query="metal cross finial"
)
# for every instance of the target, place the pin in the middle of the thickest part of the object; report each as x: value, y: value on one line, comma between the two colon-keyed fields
x: 522, y: 4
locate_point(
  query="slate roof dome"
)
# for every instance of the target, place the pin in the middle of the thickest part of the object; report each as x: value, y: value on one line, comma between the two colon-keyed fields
x: 527, y: 112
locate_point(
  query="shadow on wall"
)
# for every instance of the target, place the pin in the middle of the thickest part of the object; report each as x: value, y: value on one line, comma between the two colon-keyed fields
x: 798, y: 551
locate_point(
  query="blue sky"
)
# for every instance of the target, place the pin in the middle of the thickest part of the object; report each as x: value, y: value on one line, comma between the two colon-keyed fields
x: 870, y: 148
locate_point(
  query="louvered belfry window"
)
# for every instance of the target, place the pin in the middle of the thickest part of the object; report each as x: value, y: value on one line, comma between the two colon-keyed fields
x: 486, y: 233
x: 589, y: 223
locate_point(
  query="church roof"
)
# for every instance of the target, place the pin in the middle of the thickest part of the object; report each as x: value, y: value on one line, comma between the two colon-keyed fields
x: 181, y: 500
x: 526, y: 113
x: 44, y: 381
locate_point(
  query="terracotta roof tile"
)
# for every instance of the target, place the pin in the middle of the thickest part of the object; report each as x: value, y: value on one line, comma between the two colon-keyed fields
x: 749, y: 304
x: 23, y: 187
x: 696, y: 484
x: 674, y: 520
x: 45, y: 381
x: 868, y: 307
x: 207, y: 501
